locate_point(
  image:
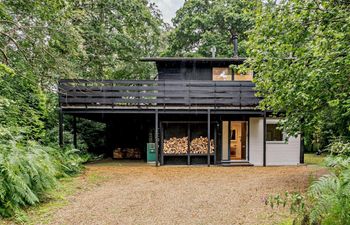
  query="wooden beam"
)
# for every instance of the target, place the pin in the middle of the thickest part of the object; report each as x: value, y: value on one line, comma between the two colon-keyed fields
x: 152, y: 93
x: 161, y: 144
x: 264, y: 144
x: 156, y: 137
x: 208, y: 137
x: 60, y: 128
x: 167, y: 110
x: 215, y: 141
x: 188, y: 143
x: 301, y: 148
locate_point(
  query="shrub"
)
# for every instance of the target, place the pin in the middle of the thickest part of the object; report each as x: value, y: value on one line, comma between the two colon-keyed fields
x: 339, y: 158
x: 28, y: 170
x: 327, y: 200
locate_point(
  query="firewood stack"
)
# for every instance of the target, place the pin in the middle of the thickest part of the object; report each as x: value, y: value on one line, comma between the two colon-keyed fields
x: 175, y: 145
x: 200, y: 145
x: 127, y: 153
x: 179, y: 145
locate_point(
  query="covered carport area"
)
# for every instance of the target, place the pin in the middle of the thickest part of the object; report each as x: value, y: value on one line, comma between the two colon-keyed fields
x: 127, y: 132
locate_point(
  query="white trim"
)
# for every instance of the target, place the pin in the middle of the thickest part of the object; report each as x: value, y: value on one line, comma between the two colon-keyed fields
x: 278, y: 142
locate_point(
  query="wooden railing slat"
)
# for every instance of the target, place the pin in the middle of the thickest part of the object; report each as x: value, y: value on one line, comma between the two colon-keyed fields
x: 157, y: 92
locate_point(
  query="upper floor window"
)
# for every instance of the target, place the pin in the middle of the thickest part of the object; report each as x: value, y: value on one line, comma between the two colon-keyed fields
x: 225, y: 73
x: 273, y: 133
x: 222, y: 73
x: 247, y: 76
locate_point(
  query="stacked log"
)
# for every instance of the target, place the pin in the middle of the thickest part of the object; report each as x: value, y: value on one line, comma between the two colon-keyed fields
x: 118, y: 153
x: 127, y: 153
x: 200, y: 146
x: 180, y: 145
x: 175, y: 145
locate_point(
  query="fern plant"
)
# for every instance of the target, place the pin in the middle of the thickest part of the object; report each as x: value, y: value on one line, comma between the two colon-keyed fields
x: 28, y: 170
x: 327, y: 201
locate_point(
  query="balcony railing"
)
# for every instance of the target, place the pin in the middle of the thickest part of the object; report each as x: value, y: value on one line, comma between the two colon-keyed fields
x: 156, y: 93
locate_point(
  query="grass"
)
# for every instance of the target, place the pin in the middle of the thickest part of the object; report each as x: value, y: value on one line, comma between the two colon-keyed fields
x: 313, y: 159
x: 56, y: 199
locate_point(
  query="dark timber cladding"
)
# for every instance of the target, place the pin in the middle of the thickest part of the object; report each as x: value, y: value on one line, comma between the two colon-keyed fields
x: 184, y: 101
x: 190, y: 68
x: 144, y: 94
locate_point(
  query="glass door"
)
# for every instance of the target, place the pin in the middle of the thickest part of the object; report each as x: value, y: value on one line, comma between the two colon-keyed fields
x: 234, y: 140
x: 238, y: 140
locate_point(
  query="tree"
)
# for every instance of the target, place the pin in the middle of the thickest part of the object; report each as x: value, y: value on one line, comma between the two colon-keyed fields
x: 201, y: 24
x: 300, y: 52
x: 38, y: 45
x: 43, y: 41
x: 116, y: 35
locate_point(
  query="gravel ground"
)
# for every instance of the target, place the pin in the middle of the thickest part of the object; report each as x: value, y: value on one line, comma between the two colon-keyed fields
x: 140, y: 194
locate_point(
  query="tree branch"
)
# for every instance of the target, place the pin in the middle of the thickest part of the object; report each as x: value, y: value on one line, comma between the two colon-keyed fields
x: 5, y: 56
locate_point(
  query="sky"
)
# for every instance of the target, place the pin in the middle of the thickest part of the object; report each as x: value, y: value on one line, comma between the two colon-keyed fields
x: 168, y: 8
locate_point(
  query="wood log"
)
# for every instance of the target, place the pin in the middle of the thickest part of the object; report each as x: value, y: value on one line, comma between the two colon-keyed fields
x: 127, y: 153
x: 200, y: 146
x: 175, y: 145
x: 179, y: 145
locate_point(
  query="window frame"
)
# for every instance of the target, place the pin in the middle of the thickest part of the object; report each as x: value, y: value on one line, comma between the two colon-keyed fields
x: 229, y: 75
x: 284, y: 136
x: 237, y: 74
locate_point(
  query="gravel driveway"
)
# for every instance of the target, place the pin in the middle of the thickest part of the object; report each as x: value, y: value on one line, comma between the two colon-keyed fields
x: 141, y: 194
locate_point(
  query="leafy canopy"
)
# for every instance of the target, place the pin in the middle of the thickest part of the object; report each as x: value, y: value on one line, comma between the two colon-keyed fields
x: 299, y: 50
x: 201, y: 24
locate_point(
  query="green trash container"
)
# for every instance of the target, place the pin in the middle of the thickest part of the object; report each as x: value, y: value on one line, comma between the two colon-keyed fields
x: 151, y: 152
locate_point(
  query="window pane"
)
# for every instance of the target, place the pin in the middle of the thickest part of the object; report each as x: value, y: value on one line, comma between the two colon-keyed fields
x: 273, y: 134
x: 244, y: 76
x: 222, y: 73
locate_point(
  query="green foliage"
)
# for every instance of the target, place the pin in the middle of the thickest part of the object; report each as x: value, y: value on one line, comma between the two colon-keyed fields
x: 314, y: 159
x: 199, y: 25
x: 327, y: 200
x: 117, y: 34
x: 330, y: 199
x: 339, y: 158
x: 28, y: 170
x: 299, y: 51
x: 41, y: 42
x: 339, y: 147
x: 91, y: 134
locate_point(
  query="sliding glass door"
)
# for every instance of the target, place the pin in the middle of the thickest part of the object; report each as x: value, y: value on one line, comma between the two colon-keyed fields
x: 234, y: 140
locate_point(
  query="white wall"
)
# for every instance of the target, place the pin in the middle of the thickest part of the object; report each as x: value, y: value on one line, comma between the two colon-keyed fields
x: 256, y: 141
x: 277, y: 153
x: 225, y: 140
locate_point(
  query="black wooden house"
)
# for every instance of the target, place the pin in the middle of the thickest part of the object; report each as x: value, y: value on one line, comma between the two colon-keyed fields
x: 197, y: 111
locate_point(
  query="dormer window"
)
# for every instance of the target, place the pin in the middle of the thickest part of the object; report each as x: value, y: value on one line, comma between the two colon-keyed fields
x: 222, y: 73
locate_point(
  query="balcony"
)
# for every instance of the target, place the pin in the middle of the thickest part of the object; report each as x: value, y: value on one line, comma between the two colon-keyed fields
x: 156, y: 94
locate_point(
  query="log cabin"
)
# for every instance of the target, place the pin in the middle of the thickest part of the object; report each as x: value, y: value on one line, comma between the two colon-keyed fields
x: 196, y: 111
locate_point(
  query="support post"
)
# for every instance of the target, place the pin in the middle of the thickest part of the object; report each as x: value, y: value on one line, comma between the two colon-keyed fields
x: 264, y: 144
x: 208, y: 137
x: 75, y: 132
x: 161, y: 144
x: 188, y: 144
x: 156, y: 137
x: 215, y: 141
x: 301, y: 148
x: 60, y: 128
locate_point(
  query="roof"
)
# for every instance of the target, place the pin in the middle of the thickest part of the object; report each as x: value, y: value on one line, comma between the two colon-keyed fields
x: 192, y: 59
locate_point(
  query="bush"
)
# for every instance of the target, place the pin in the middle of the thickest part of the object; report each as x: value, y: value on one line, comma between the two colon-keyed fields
x: 28, y: 169
x: 339, y: 158
x: 327, y: 200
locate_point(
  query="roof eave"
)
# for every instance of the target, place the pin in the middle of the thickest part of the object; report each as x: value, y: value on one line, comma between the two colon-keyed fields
x: 191, y: 59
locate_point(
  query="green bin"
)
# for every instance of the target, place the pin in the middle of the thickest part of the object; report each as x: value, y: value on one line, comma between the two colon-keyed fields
x: 151, y: 152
